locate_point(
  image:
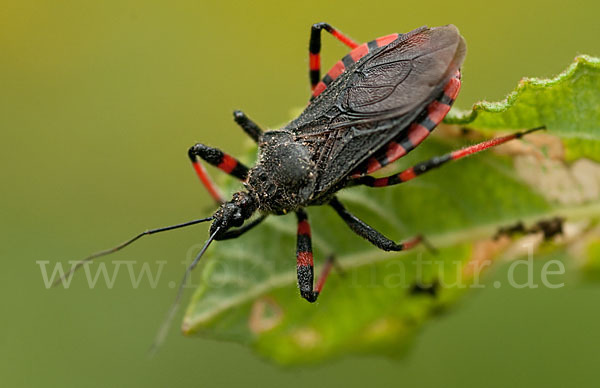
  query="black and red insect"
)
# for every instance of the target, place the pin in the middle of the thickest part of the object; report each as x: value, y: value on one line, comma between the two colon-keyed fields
x: 374, y: 106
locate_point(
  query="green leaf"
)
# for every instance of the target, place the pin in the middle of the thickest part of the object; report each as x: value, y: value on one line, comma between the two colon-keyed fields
x: 568, y: 105
x: 378, y: 300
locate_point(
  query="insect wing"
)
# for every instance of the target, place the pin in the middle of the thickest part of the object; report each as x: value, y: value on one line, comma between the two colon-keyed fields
x: 375, y: 99
x: 404, y: 74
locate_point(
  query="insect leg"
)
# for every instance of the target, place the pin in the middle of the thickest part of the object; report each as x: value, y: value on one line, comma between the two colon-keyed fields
x: 247, y: 125
x: 369, y: 233
x: 218, y: 159
x: 437, y: 161
x: 314, y: 49
x: 304, y: 261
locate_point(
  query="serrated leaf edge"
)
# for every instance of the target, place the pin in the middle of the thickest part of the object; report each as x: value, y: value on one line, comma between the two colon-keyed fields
x: 458, y: 116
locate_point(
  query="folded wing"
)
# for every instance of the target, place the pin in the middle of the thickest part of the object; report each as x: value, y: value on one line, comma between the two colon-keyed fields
x: 375, y: 99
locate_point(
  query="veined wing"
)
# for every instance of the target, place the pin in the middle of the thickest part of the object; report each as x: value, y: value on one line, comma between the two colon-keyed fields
x: 375, y: 99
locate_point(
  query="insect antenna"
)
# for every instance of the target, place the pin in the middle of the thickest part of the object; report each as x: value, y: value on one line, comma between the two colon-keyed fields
x: 164, y: 328
x: 124, y: 244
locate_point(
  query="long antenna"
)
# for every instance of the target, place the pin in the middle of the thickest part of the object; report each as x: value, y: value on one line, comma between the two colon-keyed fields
x: 126, y: 243
x: 164, y: 328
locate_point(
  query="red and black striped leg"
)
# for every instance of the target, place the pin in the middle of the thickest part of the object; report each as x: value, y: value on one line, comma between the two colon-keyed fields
x: 369, y: 233
x: 437, y: 161
x: 314, y: 48
x: 304, y: 261
x: 417, y: 131
x: 247, y: 125
x: 218, y: 159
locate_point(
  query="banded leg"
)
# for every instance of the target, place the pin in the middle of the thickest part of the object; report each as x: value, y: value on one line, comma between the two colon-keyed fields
x: 219, y: 159
x: 304, y: 261
x: 369, y: 233
x: 417, y: 132
x: 358, y: 51
x: 314, y: 49
x: 437, y: 161
x: 247, y: 125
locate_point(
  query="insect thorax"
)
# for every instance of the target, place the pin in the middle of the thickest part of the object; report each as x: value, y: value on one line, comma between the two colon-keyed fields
x: 283, y: 179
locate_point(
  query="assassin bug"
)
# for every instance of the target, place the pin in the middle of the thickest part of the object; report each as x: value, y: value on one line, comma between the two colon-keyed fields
x: 374, y: 106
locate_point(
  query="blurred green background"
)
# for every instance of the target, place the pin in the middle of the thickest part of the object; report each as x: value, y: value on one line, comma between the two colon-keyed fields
x: 99, y: 101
